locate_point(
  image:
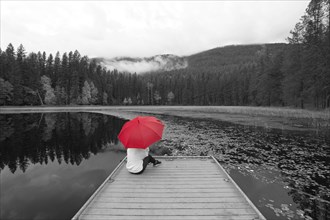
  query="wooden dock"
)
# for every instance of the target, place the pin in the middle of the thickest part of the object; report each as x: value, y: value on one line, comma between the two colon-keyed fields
x: 180, y: 188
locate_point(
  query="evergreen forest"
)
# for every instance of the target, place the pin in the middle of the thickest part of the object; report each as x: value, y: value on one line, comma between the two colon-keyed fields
x: 295, y: 74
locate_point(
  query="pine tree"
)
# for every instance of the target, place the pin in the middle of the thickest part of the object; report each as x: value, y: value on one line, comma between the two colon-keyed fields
x: 11, y: 66
x: 50, y: 97
x: 170, y: 97
x: 86, y: 96
x: 157, y: 97
x: 275, y: 79
x: 6, y: 92
x: 56, y: 70
x: 74, y: 61
x: 31, y: 79
x: 94, y: 94
x: 65, y: 81
x: 105, y: 98
x: 125, y: 102
x: 21, y: 55
x: 312, y: 34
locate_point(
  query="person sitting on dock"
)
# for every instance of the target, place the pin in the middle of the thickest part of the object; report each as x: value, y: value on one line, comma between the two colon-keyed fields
x: 138, y: 159
x: 137, y: 135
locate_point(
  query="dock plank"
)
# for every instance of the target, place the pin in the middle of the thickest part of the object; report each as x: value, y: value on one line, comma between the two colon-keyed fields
x: 178, y: 205
x: 171, y: 212
x: 164, y: 186
x: 181, y: 188
x: 161, y: 217
x: 169, y: 200
x: 170, y: 195
x: 170, y: 190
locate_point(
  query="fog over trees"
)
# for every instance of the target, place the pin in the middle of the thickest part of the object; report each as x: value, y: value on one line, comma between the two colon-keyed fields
x: 295, y: 74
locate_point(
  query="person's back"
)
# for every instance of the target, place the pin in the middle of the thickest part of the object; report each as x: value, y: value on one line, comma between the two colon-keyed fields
x: 138, y: 159
x: 135, y: 158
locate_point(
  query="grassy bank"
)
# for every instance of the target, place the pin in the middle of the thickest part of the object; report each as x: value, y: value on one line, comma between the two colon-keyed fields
x: 243, y: 110
x: 273, y: 117
x: 270, y: 111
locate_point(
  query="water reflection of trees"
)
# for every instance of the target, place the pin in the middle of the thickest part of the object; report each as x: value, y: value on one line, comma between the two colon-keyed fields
x: 68, y: 137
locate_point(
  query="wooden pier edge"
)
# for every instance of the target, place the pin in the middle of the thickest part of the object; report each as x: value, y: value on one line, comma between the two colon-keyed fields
x: 76, y: 216
x: 81, y: 210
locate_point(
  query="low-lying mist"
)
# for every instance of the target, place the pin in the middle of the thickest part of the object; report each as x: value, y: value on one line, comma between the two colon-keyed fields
x: 165, y: 62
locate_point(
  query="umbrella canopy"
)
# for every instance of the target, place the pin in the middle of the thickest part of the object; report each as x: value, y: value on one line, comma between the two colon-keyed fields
x: 141, y: 132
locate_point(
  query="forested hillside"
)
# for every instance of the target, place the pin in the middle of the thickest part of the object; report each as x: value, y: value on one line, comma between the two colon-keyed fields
x: 294, y: 74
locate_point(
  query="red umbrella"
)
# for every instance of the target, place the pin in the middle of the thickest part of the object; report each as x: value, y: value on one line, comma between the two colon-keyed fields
x: 141, y: 132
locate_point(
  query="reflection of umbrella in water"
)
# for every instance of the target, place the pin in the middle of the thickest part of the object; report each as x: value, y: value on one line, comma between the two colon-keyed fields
x: 141, y: 132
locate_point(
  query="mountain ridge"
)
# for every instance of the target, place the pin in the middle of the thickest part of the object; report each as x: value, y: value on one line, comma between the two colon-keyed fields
x: 212, y: 58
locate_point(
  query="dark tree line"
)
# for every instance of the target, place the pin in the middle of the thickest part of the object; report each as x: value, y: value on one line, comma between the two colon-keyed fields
x: 70, y: 79
x: 307, y: 68
x: 295, y: 74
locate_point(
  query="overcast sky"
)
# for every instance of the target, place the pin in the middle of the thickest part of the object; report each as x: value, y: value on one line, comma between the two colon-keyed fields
x: 144, y: 28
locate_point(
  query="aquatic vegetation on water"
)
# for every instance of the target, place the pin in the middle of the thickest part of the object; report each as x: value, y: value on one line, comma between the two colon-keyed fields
x: 297, y: 161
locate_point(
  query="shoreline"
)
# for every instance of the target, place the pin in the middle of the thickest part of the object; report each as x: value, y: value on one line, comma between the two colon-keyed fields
x: 268, y: 117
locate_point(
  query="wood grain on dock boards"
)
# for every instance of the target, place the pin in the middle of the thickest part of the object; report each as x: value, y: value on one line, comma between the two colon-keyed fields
x: 180, y: 188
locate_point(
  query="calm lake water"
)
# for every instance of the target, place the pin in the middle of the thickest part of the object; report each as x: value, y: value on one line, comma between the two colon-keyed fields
x: 52, y: 163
